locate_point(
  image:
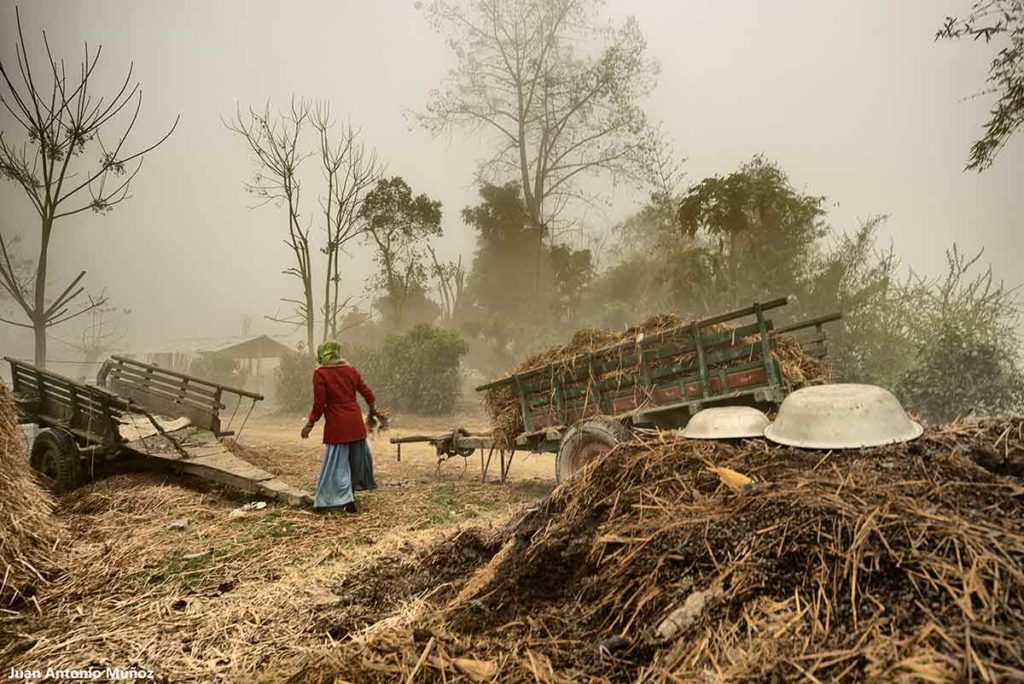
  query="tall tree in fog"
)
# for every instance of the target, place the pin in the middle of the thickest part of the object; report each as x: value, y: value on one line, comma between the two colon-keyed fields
x: 762, y: 227
x: 349, y: 169
x: 56, y: 153
x: 1001, y: 21
x: 398, y: 224
x: 558, y: 95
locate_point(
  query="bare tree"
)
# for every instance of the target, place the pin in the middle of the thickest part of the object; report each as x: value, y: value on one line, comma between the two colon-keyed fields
x: 450, y: 277
x: 61, y: 120
x: 560, y: 96
x: 275, y: 141
x: 350, y: 170
x: 104, y: 331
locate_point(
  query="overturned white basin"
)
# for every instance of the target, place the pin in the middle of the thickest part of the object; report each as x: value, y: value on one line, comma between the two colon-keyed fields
x: 726, y: 422
x: 842, y: 416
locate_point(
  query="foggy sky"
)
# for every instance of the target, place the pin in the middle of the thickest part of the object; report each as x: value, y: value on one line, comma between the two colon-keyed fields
x: 852, y: 98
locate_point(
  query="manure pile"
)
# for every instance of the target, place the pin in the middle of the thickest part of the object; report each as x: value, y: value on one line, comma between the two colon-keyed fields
x: 28, y: 532
x: 899, y: 563
x: 502, y: 407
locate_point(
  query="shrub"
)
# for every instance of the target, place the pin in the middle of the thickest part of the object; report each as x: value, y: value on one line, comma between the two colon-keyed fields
x: 417, y: 371
x: 294, y: 382
x: 960, y: 371
x: 968, y: 353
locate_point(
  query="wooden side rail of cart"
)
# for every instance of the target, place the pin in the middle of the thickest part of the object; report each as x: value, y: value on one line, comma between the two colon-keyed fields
x: 52, y: 400
x: 656, y: 380
x: 810, y: 334
x: 171, y: 393
x: 659, y: 378
x: 82, y: 422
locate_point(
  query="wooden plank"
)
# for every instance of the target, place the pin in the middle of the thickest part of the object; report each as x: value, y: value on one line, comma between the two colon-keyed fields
x: 201, y: 417
x: 201, y: 401
x: 652, y: 352
x: 138, y: 390
x: 171, y: 385
x: 166, y: 371
x: 91, y: 436
x: 282, y: 491
x: 228, y: 464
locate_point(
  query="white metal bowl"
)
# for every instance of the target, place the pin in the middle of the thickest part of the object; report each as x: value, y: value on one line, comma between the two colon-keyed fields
x: 726, y: 422
x: 841, y: 416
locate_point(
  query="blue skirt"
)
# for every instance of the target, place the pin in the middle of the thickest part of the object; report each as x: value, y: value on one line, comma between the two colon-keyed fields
x: 346, y: 468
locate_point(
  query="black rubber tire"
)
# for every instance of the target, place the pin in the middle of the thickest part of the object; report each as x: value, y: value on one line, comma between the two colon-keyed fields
x: 586, y: 439
x: 56, y: 457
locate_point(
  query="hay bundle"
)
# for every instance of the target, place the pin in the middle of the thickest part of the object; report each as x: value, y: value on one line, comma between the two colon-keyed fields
x: 28, y: 532
x: 502, y: 406
x: 902, y: 563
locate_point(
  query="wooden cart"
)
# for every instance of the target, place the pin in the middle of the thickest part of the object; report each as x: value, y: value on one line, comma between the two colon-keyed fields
x: 137, y: 411
x: 584, y: 406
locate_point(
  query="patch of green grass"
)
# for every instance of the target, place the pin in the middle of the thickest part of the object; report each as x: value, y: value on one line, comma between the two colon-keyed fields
x: 450, y: 504
x: 176, y: 567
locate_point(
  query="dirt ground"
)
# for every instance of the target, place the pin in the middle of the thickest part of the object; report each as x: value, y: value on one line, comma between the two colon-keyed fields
x: 276, y: 437
x: 161, y: 573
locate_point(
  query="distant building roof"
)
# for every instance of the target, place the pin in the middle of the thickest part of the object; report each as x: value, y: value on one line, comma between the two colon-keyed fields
x: 261, y: 347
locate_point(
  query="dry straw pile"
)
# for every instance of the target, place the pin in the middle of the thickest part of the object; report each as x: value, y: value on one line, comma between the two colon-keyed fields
x: 502, y: 405
x: 28, y: 532
x: 901, y: 563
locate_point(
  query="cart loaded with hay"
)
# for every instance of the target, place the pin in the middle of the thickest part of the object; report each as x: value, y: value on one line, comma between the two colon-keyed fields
x: 581, y: 399
x: 142, y: 412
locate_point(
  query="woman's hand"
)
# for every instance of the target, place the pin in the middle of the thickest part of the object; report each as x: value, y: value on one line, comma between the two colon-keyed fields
x: 306, y: 430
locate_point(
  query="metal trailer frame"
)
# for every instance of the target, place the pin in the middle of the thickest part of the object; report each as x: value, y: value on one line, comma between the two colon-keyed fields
x: 93, y: 415
x: 722, y: 371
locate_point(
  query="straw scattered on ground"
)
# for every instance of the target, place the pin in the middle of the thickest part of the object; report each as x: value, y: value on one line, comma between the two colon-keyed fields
x: 901, y: 563
x: 173, y: 574
x: 30, y: 534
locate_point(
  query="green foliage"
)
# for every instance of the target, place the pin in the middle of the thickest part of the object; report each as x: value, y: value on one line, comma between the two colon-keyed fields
x: 294, y: 382
x: 398, y: 225
x: 218, y: 369
x: 947, y: 347
x: 1003, y: 22
x: 417, y: 371
x: 762, y: 231
x: 876, y: 340
x: 968, y: 358
x: 727, y: 241
x: 521, y: 292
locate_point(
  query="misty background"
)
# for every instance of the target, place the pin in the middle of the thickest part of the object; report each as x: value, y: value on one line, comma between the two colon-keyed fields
x: 854, y: 100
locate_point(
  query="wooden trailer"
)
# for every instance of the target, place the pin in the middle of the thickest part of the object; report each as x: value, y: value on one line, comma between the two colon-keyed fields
x: 138, y: 411
x: 581, y: 407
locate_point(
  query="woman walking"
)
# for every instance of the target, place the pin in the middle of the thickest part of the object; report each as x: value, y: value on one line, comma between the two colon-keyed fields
x: 347, y: 462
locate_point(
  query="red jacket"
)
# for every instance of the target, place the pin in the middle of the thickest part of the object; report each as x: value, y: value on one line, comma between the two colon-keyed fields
x: 334, y: 397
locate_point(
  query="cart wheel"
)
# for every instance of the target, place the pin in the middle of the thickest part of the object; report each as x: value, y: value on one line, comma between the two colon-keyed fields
x: 585, y: 441
x: 55, y: 456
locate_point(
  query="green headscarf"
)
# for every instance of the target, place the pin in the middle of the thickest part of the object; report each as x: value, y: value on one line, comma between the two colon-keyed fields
x: 329, y: 351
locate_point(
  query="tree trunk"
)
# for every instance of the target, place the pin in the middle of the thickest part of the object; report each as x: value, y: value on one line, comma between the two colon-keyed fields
x: 39, y: 317
x: 311, y: 317
x: 39, y: 328
x: 732, y: 268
